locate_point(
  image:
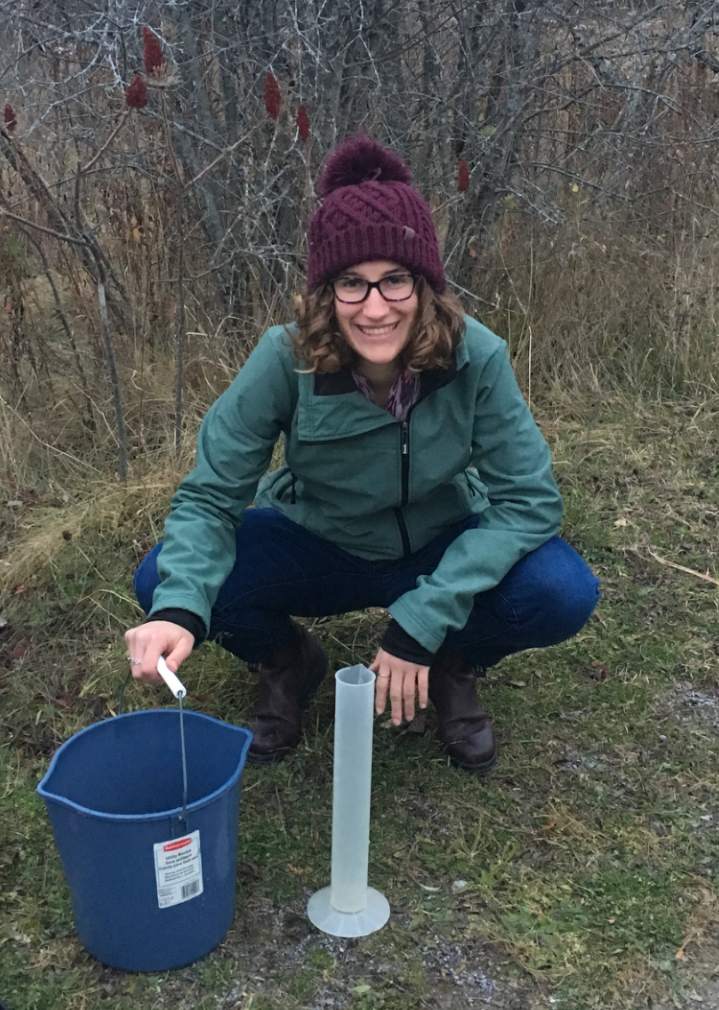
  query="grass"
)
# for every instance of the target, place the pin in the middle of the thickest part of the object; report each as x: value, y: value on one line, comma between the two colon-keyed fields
x: 581, y: 874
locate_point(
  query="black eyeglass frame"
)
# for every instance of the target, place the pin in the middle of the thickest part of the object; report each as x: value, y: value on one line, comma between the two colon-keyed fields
x: 376, y: 284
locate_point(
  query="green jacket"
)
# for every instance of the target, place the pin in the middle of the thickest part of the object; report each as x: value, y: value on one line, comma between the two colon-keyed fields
x: 376, y: 487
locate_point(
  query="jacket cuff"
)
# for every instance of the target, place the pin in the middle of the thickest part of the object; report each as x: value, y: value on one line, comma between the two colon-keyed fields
x: 397, y: 642
x: 185, y: 618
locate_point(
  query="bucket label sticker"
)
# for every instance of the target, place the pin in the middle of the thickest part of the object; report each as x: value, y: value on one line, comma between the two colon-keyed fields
x: 178, y: 870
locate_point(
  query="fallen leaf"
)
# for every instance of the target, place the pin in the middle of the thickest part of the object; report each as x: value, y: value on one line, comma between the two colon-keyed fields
x: 247, y: 871
x: 599, y: 671
x: 549, y: 825
x: 19, y: 650
x: 18, y: 590
x: 681, y: 953
x: 621, y: 522
x: 417, y: 725
x: 298, y: 869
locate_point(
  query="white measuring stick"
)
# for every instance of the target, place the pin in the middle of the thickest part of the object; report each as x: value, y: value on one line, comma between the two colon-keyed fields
x: 171, y: 679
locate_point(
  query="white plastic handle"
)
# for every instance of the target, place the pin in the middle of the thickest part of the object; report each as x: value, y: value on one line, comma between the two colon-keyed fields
x: 171, y: 679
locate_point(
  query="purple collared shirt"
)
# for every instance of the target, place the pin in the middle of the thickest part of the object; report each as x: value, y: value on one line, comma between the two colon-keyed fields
x: 402, y: 396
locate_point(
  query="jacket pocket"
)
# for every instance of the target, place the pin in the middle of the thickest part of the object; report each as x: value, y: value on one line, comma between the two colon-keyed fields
x: 471, y: 489
x: 285, y: 490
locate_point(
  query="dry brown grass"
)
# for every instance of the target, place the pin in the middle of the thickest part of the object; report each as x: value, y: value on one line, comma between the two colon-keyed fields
x: 601, y: 307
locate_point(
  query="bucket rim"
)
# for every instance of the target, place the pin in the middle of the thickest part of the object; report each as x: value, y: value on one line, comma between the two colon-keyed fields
x: 51, y: 797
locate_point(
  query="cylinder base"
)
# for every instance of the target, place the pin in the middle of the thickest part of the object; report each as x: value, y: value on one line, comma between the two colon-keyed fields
x: 372, y: 917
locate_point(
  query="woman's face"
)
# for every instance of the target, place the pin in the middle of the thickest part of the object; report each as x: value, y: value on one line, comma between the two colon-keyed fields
x: 376, y: 329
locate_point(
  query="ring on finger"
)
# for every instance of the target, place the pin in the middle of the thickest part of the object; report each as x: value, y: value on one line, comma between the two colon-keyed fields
x: 134, y: 662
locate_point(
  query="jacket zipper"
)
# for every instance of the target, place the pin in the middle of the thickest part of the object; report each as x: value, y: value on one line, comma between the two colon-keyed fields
x: 404, y: 441
x: 404, y: 450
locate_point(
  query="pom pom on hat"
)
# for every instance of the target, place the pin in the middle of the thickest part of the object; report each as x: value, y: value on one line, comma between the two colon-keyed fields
x: 361, y: 159
x: 370, y: 211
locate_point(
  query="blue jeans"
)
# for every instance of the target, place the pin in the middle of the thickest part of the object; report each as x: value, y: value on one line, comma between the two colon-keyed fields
x: 281, y: 569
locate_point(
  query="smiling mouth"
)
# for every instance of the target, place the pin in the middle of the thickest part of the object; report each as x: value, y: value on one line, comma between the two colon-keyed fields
x: 377, y: 331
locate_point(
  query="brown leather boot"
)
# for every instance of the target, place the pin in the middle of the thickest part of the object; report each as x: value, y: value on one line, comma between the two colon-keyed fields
x: 463, y: 727
x: 288, y: 679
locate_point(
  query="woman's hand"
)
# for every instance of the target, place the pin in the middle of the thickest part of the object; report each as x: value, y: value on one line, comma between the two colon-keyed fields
x: 152, y: 640
x: 403, y: 681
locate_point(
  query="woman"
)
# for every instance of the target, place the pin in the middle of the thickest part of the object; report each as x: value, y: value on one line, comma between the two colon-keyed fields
x: 415, y: 479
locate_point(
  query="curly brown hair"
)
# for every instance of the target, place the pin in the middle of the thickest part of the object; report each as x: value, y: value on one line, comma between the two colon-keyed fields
x: 436, y: 331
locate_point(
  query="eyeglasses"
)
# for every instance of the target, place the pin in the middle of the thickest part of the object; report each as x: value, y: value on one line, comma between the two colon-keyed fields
x: 393, y: 288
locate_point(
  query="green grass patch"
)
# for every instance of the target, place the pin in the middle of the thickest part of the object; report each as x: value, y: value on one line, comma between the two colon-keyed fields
x: 582, y: 870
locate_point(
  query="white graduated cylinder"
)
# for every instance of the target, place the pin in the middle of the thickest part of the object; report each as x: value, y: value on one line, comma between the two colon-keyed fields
x: 354, y: 705
x: 348, y: 907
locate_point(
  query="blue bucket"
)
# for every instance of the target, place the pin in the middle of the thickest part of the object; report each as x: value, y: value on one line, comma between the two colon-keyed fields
x: 149, y: 890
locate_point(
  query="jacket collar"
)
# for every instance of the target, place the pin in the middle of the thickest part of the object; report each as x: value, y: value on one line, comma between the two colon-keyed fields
x: 331, y: 407
x: 341, y: 381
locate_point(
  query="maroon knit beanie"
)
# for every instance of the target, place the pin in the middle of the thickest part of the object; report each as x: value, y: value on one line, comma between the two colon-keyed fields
x: 369, y: 211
